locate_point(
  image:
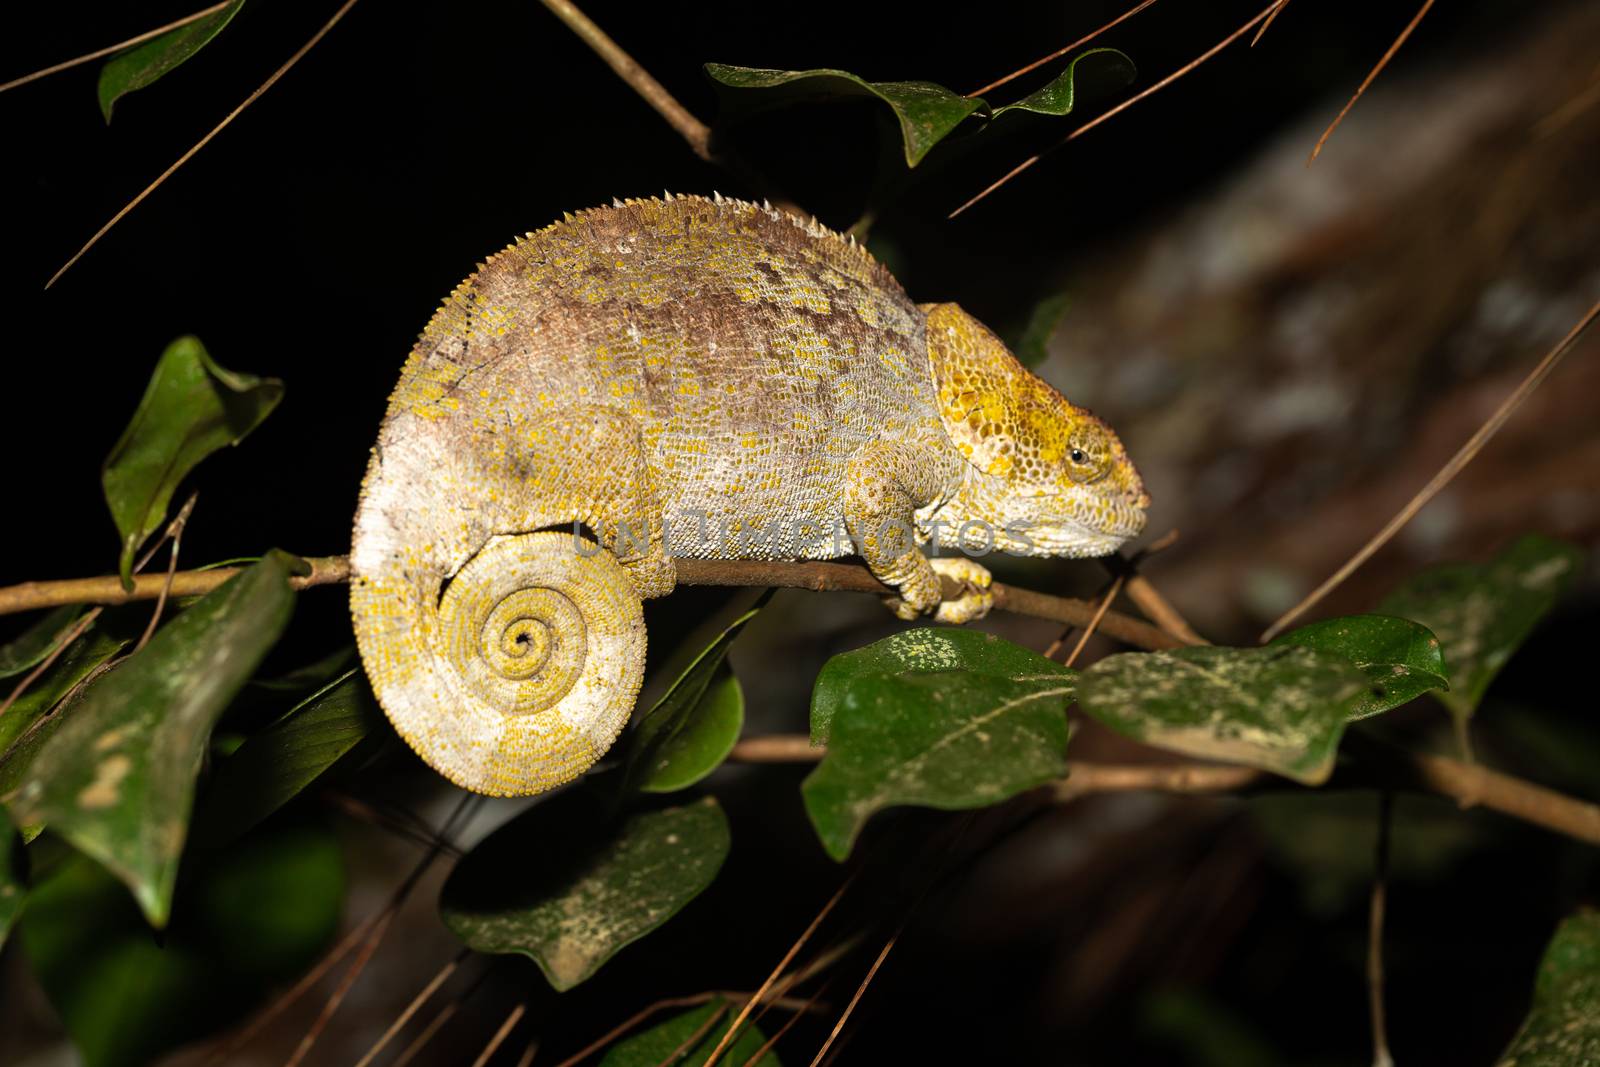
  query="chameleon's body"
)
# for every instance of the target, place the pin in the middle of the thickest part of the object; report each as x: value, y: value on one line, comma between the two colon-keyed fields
x: 686, y: 378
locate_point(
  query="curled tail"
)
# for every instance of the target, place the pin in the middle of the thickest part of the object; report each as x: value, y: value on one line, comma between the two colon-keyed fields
x: 521, y: 675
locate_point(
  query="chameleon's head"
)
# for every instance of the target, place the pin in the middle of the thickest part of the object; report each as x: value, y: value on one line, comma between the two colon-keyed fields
x: 1047, y: 478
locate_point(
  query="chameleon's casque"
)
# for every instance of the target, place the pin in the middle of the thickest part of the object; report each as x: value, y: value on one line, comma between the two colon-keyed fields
x: 681, y: 378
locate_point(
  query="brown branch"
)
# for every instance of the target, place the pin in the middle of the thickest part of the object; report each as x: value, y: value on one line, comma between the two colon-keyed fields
x: 1465, y: 455
x: 1058, y: 53
x: 218, y: 128
x: 817, y: 576
x: 1097, y: 120
x: 1371, y: 77
x: 1374, y: 765
x: 691, y: 129
x: 107, y: 589
x: 111, y: 49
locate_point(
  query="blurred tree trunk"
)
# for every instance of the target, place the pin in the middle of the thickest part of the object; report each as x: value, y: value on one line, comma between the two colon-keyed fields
x: 1293, y: 356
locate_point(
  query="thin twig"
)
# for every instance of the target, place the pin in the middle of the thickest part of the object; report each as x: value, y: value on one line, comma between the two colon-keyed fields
x: 1094, y: 623
x: 696, y: 1036
x: 1097, y: 120
x: 691, y: 129
x: 45, y: 664
x: 412, y: 1008
x: 225, y: 1053
x: 435, y: 1024
x: 175, y: 535
x: 816, y: 576
x: 1380, y: 876
x: 1371, y: 77
x: 744, y: 1013
x: 500, y: 1036
x: 1270, y: 20
x: 1374, y: 765
x: 110, y: 49
x: 1058, y: 53
x: 218, y: 128
x: 795, y: 1017
x: 375, y: 937
x: 1462, y: 457
x: 844, y: 1017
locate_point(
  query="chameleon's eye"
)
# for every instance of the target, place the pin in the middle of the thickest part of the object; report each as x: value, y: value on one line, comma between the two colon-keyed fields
x: 1078, y: 455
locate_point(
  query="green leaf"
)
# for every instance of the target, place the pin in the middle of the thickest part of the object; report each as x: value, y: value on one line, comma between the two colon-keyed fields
x: 655, y: 757
x: 274, y: 765
x: 37, y: 641
x: 13, y: 883
x: 1401, y: 659
x: 191, y: 408
x: 103, y: 639
x: 116, y: 776
x: 1107, y: 71
x: 1033, y: 343
x: 700, y: 1027
x: 597, y: 885
x: 924, y: 650
x: 144, y: 64
x: 1563, y: 1025
x: 926, y: 112
x: 1483, y: 612
x: 1279, y: 708
x: 940, y: 718
x: 254, y: 916
x: 706, y: 738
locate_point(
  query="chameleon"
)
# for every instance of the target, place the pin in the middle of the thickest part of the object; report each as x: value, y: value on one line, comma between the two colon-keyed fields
x: 683, y: 377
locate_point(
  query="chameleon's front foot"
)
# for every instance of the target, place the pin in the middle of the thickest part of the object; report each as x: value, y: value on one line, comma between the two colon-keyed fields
x: 922, y: 594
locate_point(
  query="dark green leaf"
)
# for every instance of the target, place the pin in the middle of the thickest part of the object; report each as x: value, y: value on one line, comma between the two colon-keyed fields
x: 116, y: 776
x: 95, y: 646
x: 13, y: 884
x: 700, y: 1027
x: 1280, y: 708
x: 708, y: 735
x: 255, y: 915
x: 926, y: 112
x: 272, y: 766
x: 1481, y: 613
x: 678, y: 710
x: 1106, y: 70
x: 1401, y: 659
x: 1033, y: 344
x: 191, y: 408
x: 36, y: 642
x: 569, y: 885
x: 1563, y: 1026
x: 924, y: 650
x: 138, y: 67
x: 913, y: 723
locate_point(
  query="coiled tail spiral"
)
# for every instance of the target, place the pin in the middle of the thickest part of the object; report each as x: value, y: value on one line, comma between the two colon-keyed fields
x: 521, y: 675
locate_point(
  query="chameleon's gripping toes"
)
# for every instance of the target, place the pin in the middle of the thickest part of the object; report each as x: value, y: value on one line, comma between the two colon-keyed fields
x: 681, y: 378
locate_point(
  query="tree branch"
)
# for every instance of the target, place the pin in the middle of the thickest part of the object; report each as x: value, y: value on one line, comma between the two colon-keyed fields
x: 1374, y: 765
x: 818, y: 576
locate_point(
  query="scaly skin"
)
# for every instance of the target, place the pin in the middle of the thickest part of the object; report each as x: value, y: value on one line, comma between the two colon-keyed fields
x: 689, y: 378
